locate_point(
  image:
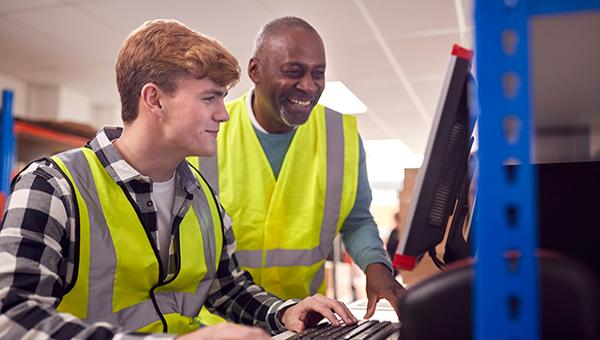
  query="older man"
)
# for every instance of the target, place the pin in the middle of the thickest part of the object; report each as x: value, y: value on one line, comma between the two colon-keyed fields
x: 292, y: 172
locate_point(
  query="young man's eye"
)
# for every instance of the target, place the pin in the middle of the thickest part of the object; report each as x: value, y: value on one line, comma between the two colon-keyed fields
x: 209, y: 99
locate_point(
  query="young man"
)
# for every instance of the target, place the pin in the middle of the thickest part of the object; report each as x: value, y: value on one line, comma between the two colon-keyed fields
x: 123, y: 235
x: 292, y: 173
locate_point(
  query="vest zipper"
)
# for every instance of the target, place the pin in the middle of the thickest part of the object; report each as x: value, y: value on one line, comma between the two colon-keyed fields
x: 161, y: 270
x: 160, y: 315
x: 178, y: 253
x: 219, y: 212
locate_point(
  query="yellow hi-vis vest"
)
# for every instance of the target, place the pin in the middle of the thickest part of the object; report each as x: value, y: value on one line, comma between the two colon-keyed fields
x: 285, y: 227
x: 119, y: 277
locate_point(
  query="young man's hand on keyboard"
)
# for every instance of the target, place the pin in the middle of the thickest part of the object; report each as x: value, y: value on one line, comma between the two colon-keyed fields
x: 311, y: 310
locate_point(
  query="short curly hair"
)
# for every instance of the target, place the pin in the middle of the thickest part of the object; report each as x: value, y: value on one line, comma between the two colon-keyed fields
x: 277, y: 26
x: 163, y: 52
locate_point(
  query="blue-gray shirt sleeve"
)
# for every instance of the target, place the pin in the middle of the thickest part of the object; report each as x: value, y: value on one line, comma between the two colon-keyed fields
x: 359, y: 231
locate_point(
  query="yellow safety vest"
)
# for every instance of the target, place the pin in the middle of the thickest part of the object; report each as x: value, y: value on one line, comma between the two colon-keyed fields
x: 285, y: 227
x: 123, y: 282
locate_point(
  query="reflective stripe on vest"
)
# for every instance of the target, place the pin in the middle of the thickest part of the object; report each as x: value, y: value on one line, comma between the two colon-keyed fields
x: 118, y: 269
x: 330, y: 143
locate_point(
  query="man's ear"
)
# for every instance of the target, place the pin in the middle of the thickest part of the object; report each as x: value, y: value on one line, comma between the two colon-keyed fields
x: 150, y: 97
x: 254, y: 70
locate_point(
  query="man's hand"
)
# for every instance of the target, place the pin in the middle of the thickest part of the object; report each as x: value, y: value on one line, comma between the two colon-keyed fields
x: 226, y: 331
x: 313, y: 309
x: 382, y: 284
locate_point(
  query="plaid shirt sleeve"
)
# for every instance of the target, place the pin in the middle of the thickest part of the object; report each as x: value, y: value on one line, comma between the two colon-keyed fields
x: 36, y: 261
x: 235, y: 296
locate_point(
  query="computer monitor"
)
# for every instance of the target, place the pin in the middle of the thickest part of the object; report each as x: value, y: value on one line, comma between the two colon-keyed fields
x: 568, y: 216
x: 443, y: 174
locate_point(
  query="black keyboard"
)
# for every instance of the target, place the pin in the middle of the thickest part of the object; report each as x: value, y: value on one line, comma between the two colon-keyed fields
x: 366, y: 329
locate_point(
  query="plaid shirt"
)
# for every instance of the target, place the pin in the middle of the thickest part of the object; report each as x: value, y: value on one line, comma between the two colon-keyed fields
x: 37, y: 253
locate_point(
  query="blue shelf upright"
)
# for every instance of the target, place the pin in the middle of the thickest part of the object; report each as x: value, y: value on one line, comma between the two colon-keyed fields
x: 506, y: 302
x: 7, y: 145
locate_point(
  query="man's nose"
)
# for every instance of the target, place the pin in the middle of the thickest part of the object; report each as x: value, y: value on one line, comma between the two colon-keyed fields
x: 221, y: 114
x: 308, y: 85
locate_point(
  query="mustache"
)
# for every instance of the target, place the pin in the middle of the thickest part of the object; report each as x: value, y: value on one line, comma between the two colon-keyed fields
x: 301, y: 97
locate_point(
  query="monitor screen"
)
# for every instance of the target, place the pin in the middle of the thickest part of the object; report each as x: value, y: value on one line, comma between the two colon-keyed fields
x: 444, y: 171
x: 567, y: 203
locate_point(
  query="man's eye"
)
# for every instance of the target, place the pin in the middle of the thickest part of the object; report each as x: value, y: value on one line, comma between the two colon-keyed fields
x: 208, y: 99
x: 293, y: 73
x: 319, y: 74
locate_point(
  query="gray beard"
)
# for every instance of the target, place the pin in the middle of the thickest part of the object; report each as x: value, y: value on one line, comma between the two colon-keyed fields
x: 288, y: 119
x: 283, y: 113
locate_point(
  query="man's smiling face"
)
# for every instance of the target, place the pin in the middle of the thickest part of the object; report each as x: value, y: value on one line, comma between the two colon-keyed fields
x: 292, y: 76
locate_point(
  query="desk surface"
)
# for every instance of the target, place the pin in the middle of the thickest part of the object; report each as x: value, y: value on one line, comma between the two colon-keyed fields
x: 383, y: 312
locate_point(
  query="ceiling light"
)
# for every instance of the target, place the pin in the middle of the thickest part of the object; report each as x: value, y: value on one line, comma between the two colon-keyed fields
x: 338, y: 97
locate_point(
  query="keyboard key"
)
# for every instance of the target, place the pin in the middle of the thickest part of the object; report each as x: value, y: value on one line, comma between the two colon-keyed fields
x: 306, y: 334
x: 358, y: 330
x: 364, y: 330
x: 386, y: 331
x: 368, y: 333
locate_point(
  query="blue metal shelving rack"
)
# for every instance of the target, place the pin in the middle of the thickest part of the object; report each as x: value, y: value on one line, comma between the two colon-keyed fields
x: 505, y: 296
x: 7, y: 145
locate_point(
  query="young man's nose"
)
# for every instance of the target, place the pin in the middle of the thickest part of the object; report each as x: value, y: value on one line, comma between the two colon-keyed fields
x: 221, y: 113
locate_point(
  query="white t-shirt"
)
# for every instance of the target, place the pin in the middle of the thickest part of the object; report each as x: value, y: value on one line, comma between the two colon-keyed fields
x: 164, y: 195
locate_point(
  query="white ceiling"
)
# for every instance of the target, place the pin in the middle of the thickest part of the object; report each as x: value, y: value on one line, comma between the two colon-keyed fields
x: 391, y: 53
